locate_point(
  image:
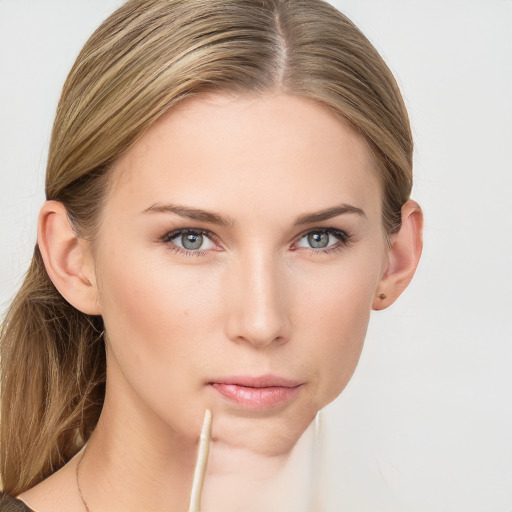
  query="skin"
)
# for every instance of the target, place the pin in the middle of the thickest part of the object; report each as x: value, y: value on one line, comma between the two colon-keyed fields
x: 256, y: 299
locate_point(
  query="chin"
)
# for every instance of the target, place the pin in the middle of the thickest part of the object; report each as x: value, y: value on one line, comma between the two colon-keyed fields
x: 268, y: 436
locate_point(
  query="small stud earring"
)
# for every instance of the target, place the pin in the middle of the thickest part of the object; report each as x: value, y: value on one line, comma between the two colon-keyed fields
x: 382, y: 296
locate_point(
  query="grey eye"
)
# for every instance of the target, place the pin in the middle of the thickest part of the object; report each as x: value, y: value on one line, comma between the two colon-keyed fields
x: 318, y: 239
x: 192, y: 241
x: 323, y: 239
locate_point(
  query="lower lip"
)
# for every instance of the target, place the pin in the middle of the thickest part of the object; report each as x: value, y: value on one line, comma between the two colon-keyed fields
x: 257, y: 398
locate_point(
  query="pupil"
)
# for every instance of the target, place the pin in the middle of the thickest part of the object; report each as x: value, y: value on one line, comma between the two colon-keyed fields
x: 318, y: 240
x: 192, y: 241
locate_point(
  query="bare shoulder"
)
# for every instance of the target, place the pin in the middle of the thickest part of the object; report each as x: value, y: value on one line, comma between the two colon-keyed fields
x: 58, y: 493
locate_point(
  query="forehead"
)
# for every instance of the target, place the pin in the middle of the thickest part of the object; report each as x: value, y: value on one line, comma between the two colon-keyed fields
x: 253, y: 152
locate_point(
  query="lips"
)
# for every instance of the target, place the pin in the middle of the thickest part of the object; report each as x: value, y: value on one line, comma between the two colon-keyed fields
x: 266, y: 391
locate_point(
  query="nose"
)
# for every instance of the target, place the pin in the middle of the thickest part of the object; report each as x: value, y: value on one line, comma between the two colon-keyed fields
x: 258, y: 302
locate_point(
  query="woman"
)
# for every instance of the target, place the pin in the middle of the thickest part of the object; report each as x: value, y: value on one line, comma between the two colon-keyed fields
x: 227, y: 199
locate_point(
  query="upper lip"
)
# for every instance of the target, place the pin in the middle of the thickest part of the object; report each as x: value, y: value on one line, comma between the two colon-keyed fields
x: 261, y: 381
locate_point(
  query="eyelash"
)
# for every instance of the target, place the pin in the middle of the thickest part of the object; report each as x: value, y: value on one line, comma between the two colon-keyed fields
x: 344, y: 239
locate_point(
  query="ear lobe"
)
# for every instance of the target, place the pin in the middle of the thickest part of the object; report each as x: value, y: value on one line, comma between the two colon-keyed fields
x: 67, y: 258
x: 403, y: 257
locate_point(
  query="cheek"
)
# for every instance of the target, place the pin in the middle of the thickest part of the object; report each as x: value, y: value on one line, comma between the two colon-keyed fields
x: 157, y: 316
x: 142, y: 288
x: 335, y: 314
x: 159, y: 324
x: 341, y: 351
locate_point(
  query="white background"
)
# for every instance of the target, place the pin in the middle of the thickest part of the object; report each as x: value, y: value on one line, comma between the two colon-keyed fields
x: 426, y: 422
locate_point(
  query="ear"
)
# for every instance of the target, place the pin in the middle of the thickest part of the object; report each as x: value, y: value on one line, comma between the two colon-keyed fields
x: 403, y: 257
x: 67, y: 258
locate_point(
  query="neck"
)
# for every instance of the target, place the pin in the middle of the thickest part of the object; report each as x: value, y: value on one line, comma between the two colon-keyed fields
x: 134, y: 462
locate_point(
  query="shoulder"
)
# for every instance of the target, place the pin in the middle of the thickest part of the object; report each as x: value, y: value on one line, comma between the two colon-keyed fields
x: 10, y: 504
x: 56, y: 493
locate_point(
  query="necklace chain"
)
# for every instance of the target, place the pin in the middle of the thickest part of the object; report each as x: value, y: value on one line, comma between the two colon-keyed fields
x: 87, y: 509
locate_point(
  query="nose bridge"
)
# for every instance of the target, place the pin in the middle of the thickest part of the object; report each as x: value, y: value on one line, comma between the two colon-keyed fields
x: 258, y: 311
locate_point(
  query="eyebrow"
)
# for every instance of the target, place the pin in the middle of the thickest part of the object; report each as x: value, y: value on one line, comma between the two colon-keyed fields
x: 190, y: 213
x: 221, y: 220
x: 329, y: 213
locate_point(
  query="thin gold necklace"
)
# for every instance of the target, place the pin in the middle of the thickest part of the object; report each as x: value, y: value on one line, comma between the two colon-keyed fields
x: 78, y: 482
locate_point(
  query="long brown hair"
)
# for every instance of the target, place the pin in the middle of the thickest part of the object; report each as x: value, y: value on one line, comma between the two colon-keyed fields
x: 145, y: 58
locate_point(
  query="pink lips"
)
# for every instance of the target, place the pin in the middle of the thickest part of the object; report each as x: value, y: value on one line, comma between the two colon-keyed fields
x: 257, y: 392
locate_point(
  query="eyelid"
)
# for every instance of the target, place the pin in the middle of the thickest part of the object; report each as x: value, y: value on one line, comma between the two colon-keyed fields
x: 175, y: 233
x: 328, y: 229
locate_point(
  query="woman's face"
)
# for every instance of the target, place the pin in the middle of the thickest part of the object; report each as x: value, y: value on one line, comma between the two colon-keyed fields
x: 239, y: 253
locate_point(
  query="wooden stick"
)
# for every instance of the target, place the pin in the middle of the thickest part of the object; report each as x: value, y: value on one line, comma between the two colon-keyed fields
x: 202, y: 459
x: 317, y: 463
